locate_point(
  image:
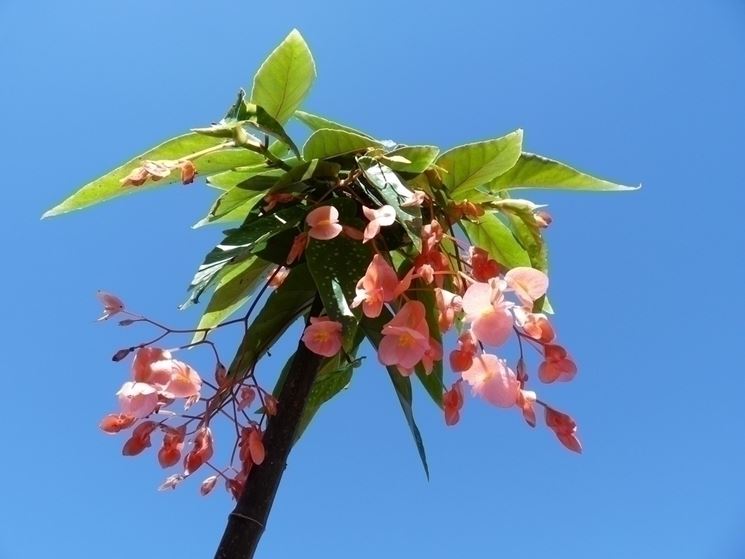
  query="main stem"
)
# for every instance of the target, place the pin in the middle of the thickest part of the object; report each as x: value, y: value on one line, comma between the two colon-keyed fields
x: 247, y: 521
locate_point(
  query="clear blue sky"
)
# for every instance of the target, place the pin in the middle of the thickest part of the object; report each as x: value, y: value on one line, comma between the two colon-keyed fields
x: 648, y: 286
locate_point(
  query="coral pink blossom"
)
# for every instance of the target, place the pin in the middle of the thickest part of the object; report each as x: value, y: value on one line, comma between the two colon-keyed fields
x: 323, y: 336
x: 140, y: 439
x: 433, y: 354
x: 152, y: 366
x: 323, y: 223
x: 256, y: 446
x: 557, y: 365
x: 405, y: 337
x: 491, y: 379
x: 452, y: 402
x: 376, y: 287
x: 111, y: 304
x: 432, y: 234
x: 535, y: 325
x: 525, y: 401
x: 273, y: 199
x: 184, y: 381
x: 448, y: 305
x: 528, y: 284
x: 137, y: 399
x: 488, y: 312
x: 298, y: 247
x: 202, y: 451
x: 149, y: 170
x: 382, y: 217
x: 483, y: 268
x: 188, y: 172
x: 565, y: 429
x: 173, y: 442
x: 417, y: 198
x: 246, y: 396
x: 278, y: 276
x: 113, y: 423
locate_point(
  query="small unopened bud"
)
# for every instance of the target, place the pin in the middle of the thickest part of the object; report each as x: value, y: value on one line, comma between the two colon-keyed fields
x: 207, y: 485
x: 221, y: 374
x: 270, y: 405
x: 172, y: 482
x: 543, y: 218
x: 121, y: 354
x: 126, y: 322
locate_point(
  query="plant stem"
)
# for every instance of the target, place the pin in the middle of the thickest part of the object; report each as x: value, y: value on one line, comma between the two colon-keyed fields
x: 247, y: 521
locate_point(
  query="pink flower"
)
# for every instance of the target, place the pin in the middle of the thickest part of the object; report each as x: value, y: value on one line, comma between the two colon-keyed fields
x: 535, y: 325
x: 323, y: 223
x: 525, y: 401
x: 140, y: 439
x: 152, y: 365
x: 417, y: 198
x: 376, y: 287
x: 565, y: 429
x: 323, y: 336
x: 137, y: 399
x: 461, y: 359
x: 202, y: 451
x: 488, y: 312
x: 298, y: 247
x: 188, y: 172
x: 491, y: 379
x: 405, y: 337
x: 433, y: 354
x: 149, y: 170
x: 448, y: 304
x: 278, y: 276
x: 483, y: 268
x: 383, y: 216
x: 173, y: 442
x: 184, y: 382
x: 432, y: 234
x: 111, y: 304
x: 557, y: 365
x: 113, y: 423
x: 452, y: 402
x: 528, y: 284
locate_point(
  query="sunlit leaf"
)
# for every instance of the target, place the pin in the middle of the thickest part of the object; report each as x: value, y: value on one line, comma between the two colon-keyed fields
x: 491, y: 234
x: 535, y: 171
x: 109, y: 185
x: 420, y: 158
x: 285, y: 78
x: 471, y: 165
x: 326, y: 143
x: 315, y: 122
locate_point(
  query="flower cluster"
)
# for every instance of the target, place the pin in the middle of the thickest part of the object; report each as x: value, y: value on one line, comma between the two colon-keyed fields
x: 161, y: 398
x: 471, y: 294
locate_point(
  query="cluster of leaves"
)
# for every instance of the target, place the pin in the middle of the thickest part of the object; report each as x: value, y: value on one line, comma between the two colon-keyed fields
x: 268, y: 186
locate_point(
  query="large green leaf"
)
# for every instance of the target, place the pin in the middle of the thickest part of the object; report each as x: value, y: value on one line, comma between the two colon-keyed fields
x: 326, y: 143
x: 389, y: 186
x: 420, y: 158
x: 236, y: 283
x: 229, y: 179
x: 281, y: 309
x: 109, y: 186
x: 372, y: 328
x: 315, y: 122
x: 311, y: 169
x: 236, y: 203
x: 491, y: 234
x: 471, y: 165
x: 535, y: 171
x: 285, y: 78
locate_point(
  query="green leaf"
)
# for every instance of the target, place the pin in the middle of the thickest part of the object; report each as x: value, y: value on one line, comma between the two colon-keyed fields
x: 236, y: 283
x: 312, y: 169
x: 372, y: 328
x: 230, y: 179
x: 336, y: 266
x: 491, y: 234
x: 236, y: 203
x: 285, y: 78
x: 315, y: 122
x: 326, y: 143
x: 394, y: 192
x: 535, y: 171
x: 109, y: 186
x: 420, y: 158
x: 471, y: 165
x: 281, y: 309
x: 239, y: 244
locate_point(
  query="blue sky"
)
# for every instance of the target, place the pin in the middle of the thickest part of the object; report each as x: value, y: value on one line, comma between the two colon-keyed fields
x: 647, y: 286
